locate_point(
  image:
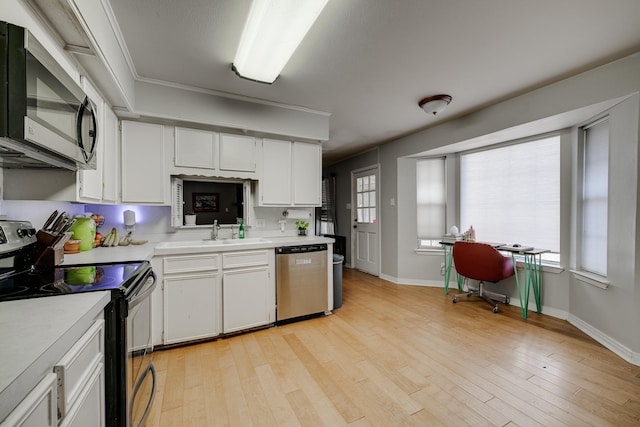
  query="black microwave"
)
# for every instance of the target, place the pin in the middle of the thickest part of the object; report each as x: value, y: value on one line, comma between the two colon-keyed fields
x: 46, y: 120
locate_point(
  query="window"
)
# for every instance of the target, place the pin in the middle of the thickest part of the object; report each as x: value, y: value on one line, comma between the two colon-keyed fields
x: 366, y: 199
x: 595, y: 197
x: 431, y: 200
x: 328, y: 209
x: 511, y: 194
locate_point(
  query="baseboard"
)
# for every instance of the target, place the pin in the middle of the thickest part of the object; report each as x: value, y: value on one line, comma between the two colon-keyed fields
x: 604, y: 339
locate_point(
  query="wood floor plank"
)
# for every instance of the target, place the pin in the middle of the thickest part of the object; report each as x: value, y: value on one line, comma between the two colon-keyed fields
x: 399, y: 356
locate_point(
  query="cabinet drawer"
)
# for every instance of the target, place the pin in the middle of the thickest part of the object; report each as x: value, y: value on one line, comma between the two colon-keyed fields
x: 75, y: 367
x: 245, y: 259
x: 190, y: 263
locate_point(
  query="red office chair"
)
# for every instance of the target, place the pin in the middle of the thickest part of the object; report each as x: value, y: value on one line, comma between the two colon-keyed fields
x: 482, y: 262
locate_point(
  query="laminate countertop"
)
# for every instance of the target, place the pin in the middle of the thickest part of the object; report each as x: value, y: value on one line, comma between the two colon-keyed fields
x: 173, y: 247
x: 35, y: 333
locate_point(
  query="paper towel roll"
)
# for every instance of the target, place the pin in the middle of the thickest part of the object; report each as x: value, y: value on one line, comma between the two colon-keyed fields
x: 297, y: 214
x: 129, y: 218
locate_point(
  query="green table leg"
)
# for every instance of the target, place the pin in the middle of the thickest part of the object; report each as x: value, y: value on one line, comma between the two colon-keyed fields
x: 534, y: 271
x: 523, y: 305
x: 448, y: 262
x: 532, y: 279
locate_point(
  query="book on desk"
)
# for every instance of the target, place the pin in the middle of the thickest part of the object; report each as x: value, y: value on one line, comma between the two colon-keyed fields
x: 515, y: 247
x: 452, y: 238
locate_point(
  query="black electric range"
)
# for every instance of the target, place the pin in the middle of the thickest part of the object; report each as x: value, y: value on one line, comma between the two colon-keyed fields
x: 71, y: 279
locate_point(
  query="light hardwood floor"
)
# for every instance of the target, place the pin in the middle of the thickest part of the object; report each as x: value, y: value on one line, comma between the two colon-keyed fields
x: 399, y: 355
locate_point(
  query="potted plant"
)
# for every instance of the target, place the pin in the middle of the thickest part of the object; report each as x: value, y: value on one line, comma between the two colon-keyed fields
x: 302, y: 227
x: 189, y: 218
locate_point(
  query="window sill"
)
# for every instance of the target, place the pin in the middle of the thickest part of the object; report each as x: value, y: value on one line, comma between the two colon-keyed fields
x: 429, y: 251
x: 591, y: 279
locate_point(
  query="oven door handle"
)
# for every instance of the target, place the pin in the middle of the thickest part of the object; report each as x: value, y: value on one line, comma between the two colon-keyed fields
x: 150, y: 369
x: 145, y: 290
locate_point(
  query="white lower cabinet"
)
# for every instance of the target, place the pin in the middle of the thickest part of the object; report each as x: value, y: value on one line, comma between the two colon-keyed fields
x: 80, y: 374
x: 248, y: 289
x: 191, y: 307
x: 207, y: 294
x: 38, y: 409
x: 89, y: 410
x: 247, y: 301
x: 192, y: 294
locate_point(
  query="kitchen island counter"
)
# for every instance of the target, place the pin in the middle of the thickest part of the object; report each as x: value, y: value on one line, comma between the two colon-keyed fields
x: 35, y: 333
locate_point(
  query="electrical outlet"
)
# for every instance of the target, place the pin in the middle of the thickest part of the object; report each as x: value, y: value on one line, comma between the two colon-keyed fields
x: 260, y: 223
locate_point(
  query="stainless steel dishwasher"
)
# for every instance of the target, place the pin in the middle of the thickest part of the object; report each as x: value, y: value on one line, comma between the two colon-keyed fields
x: 301, y: 281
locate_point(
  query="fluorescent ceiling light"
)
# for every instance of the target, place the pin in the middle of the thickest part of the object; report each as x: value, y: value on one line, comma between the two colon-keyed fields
x: 273, y: 31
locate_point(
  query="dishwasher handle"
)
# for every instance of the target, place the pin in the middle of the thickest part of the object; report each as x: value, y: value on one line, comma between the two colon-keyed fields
x: 301, y: 249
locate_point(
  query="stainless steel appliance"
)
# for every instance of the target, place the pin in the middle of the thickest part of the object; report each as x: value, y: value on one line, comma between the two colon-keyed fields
x: 301, y: 281
x: 129, y: 372
x: 46, y: 120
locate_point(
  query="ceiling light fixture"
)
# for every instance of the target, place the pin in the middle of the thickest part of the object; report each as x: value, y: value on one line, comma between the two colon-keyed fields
x: 273, y: 31
x: 435, y: 104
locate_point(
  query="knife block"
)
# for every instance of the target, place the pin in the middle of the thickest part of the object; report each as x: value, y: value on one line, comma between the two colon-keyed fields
x: 45, y: 255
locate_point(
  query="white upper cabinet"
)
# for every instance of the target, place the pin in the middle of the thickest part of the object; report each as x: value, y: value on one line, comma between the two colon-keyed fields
x: 213, y: 154
x: 196, y: 148
x: 90, y: 181
x: 291, y: 174
x: 143, y: 174
x: 307, y: 174
x: 100, y: 185
x: 237, y: 153
x: 110, y: 172
x: 275, y: 184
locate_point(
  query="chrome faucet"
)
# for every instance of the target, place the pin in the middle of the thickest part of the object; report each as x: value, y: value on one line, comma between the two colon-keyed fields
x: 214, y: 231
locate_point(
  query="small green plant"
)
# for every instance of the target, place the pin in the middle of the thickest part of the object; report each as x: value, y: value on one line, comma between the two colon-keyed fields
x: 302, y: 225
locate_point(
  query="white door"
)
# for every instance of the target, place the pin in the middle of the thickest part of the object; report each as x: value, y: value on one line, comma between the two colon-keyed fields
x: 365, y: 214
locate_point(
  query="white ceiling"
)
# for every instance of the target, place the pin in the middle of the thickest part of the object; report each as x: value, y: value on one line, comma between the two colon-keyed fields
x: 369, y: 62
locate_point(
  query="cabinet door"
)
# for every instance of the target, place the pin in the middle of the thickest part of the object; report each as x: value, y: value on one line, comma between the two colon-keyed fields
x: 307, y: 174
x: 248, y: 299
x: 90, y: 407
x: 38, y: 409
x: 110, y: 178
x: 191, y: 307
x: 195, y: 148
x: 237, y: 153
x: 90, y: 181
x: 275, y: 183
x: 143, y: 177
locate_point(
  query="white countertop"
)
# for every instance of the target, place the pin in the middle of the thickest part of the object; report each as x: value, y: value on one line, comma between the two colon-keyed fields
x: 148, y: 250
x: 35, y: 333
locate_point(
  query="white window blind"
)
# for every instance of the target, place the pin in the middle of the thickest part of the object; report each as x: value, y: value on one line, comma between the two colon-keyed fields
x: 595, y: 198
x: 511, y: 194
x: 431, y: 198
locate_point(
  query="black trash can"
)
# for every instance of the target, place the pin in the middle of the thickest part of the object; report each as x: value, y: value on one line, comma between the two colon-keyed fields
x: 337, y: 280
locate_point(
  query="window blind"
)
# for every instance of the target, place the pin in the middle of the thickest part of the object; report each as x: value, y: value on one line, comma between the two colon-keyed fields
x: 431, y: 198
x: 511, y: 194
x: 595, y: 198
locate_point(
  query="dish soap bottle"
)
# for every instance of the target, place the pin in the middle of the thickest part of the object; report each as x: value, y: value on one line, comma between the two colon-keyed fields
x: 241, y: 231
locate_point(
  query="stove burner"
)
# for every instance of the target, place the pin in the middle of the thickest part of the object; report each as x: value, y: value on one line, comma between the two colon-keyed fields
x: 14, y: 291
